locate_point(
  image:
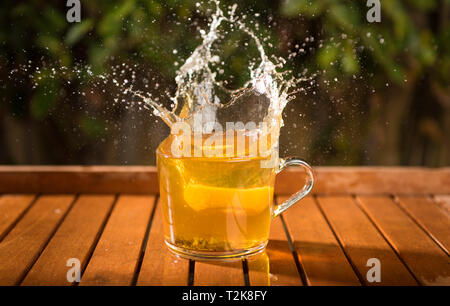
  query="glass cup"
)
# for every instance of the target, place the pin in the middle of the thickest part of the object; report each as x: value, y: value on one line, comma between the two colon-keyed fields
x: 220, y: 208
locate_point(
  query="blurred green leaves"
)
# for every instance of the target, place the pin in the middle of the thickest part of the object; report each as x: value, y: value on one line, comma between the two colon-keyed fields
x: 92, y: 127
x: 350, y: 64
x: 46, y: 95
x: 427, y: 48
x: 111, y: 24
x: 294, y: 8
x: 78, y: 31
x: 347, y: 18
x: 327, y: 55
x: 409, y: 41
x: 397, y: 44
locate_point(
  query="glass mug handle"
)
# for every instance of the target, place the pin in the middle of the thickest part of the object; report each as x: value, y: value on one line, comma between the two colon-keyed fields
x: 285, y: 163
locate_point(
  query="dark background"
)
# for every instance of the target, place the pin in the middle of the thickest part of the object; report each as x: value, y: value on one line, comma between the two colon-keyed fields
x: 381, y: 96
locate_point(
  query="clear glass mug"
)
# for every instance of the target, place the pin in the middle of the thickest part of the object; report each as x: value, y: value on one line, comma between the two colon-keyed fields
x: 220, y: 208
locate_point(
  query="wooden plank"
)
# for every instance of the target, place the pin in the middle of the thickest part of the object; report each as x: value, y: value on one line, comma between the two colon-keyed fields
x: 211, y: 273
x: 160, y: 267
x: 444, y: 201
x: 79, y: 179
x: 12, y: 207
x: 259, y: 270
x: 116, y: 256
x: 322, y: 258
x: 23, y: 244
x: 75, y: 238
x: 361, y: 241
x: 144, y: 180
x: 369, y: 180
x: 275, y: 266
x: 430, y: 217
x: 424, y: 258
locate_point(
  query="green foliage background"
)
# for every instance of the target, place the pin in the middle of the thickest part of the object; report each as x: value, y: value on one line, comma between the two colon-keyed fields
x: 387, y: 101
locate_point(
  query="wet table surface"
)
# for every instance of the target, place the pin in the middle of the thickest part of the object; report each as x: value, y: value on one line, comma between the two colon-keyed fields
x: 109, y: 220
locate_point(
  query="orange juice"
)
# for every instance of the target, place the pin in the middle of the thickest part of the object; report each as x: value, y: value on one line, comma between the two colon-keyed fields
x: 218, y: 205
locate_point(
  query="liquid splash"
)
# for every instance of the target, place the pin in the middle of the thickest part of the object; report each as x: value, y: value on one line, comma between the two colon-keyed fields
x: 200, y: 95
x: 199, y: 91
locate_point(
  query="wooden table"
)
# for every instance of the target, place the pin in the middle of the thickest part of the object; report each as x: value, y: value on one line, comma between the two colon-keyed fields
x: 110, y: 219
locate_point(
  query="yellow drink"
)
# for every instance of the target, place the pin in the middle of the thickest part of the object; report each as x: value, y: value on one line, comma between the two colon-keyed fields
x: 214, y: 205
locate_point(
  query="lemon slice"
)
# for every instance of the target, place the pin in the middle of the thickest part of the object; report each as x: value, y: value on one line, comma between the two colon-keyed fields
x: 247, y: 200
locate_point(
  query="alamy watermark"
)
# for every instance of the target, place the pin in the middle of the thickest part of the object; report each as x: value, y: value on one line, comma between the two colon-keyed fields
x: 74, y: 11
x: 374, y: 13
x: 374, y: 273
x: 74, y: 273
x: 236, y: 140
